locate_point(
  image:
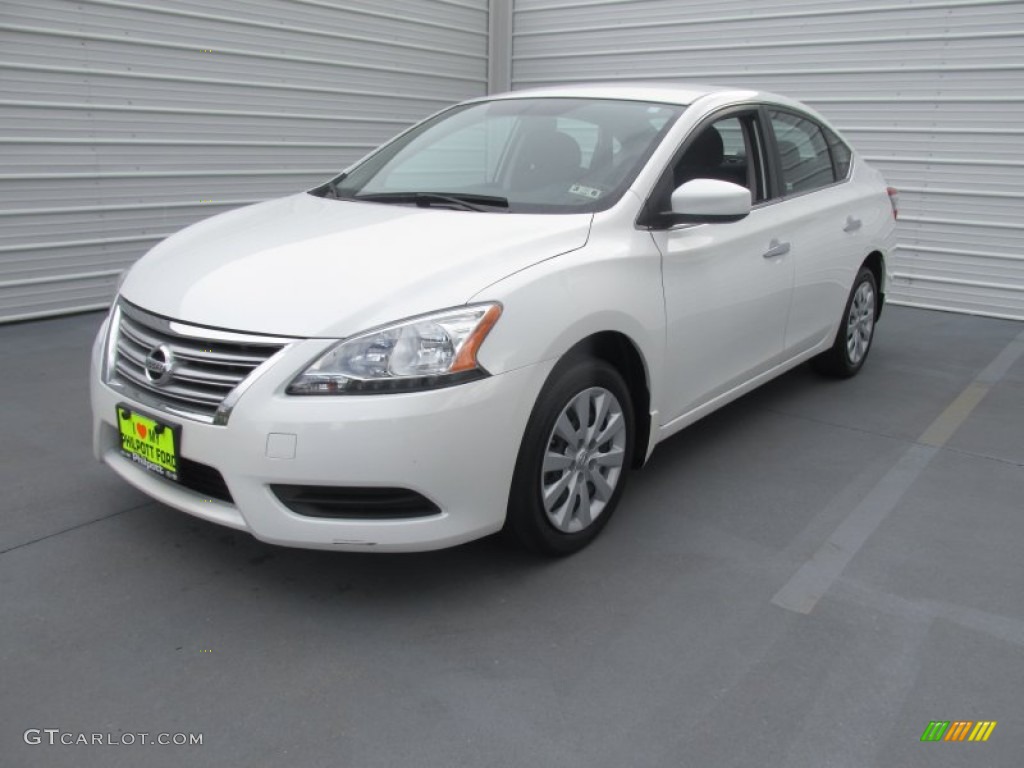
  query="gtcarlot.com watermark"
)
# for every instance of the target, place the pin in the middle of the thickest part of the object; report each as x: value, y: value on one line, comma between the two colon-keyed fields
x: 57, y: 737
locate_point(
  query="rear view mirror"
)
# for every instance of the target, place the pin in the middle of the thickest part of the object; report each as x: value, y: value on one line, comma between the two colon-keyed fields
x: 705, y: 201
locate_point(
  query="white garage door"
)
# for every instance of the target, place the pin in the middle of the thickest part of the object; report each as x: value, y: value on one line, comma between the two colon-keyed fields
x: 122, y: 121
x: 931, y: 92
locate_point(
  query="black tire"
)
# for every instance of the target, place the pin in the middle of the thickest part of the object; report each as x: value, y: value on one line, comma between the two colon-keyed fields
x: 574, y: 381
x: 847, y: 354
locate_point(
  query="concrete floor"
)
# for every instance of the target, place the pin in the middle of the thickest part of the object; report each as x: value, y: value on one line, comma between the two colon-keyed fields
x: 798, y: 580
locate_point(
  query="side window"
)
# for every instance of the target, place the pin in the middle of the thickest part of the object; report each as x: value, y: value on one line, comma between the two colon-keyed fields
x: 803, y: 153
x: 734, y: 144
x: 727, y: 149
x: 840, y: 154
x: 731, y: 148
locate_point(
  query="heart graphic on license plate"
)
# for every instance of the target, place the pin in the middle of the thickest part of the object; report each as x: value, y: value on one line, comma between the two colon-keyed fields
x: 141, y: 429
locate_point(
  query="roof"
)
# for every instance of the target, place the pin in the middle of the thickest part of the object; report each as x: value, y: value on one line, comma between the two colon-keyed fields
x: 683, y: 94
x: 670, y: 93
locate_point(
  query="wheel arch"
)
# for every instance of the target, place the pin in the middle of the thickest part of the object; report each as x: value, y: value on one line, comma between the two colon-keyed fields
x: 876, y: 263
x: 623, y: 354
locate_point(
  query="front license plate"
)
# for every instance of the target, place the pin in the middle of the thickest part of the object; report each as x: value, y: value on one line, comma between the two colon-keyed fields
x: 148, y: 442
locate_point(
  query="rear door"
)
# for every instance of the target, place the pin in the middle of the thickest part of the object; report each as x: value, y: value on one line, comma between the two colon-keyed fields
x: 826, y: 215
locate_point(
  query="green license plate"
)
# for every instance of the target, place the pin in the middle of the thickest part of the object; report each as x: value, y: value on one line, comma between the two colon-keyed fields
x: 148, y: 442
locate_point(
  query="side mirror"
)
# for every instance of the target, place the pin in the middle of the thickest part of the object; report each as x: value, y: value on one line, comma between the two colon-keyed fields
x: 705, y: 201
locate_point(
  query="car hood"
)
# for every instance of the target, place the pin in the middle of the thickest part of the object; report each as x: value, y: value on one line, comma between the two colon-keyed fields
x: 312, y: 267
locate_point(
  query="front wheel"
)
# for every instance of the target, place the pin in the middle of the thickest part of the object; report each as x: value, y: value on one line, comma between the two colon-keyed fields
x: 856, y: 331
x: 574, y: 459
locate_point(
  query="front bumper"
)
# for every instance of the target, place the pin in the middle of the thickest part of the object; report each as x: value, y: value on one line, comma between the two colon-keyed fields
x: 455, y: 446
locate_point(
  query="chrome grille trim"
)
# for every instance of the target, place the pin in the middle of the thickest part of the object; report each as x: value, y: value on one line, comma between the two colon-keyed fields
x: 212, y: 367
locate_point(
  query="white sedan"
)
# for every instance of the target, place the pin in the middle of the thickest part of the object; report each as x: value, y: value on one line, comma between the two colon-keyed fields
x: 486, y: 323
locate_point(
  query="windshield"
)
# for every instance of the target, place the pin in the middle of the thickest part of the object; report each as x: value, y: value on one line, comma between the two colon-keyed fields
x: 537, y: 155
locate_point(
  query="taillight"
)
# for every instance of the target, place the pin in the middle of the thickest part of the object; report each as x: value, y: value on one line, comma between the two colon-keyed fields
x: 894, y: 201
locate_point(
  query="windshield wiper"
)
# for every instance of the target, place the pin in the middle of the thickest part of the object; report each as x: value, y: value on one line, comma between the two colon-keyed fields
x: 465, y: 202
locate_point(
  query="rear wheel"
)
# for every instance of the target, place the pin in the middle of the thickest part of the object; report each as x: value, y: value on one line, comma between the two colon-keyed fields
x: 856, y: 332
x: 574, y: 458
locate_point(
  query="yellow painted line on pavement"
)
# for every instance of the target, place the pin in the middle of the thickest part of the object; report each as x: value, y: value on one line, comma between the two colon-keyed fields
x: 816, y: 576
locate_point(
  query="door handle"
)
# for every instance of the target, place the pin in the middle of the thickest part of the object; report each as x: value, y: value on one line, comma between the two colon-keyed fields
x: 775, y: 248
x: 852, y: 224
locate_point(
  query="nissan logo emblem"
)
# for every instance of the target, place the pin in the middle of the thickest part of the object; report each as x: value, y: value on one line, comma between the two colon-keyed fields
x: 159, y: 365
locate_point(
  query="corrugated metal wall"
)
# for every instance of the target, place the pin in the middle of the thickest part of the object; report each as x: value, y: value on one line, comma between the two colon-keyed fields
x: 121, y: 122
x: 931, y: 92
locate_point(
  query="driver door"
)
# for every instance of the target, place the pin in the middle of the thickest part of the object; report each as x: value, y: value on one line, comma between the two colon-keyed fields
x: 727, y: 286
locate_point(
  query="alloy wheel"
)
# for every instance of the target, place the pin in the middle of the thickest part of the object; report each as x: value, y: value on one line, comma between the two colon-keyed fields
x: 861, y: 322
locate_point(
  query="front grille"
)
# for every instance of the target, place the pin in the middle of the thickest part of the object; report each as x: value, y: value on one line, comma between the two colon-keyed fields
x: 207, y: 364
x: 342, y: 503
x: 203, y: 479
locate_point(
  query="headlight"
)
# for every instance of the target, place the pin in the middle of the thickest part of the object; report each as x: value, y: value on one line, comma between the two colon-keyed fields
x: 426, y: 352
